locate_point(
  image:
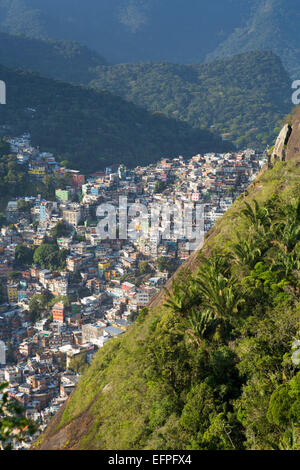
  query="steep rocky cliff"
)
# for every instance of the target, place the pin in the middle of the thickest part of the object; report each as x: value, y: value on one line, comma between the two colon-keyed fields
x: 293, y: 144
x: 287, y: 146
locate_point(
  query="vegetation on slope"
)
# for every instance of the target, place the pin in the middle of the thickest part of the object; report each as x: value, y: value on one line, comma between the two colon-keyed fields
x: 212, y: 368
x: 14, y: 427
x: 94, y: 129
x: 243, y: 97
x: 13, y: 179
x: 62, y: 60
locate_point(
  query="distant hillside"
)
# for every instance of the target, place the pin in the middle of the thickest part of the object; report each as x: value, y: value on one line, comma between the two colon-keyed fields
x: 163, y: 30
x: 129, y: 30
x: 273, y: 24
x: 62, y: 60
x: 94, y: 129
x: 243, y: 97
x: 211, y: 365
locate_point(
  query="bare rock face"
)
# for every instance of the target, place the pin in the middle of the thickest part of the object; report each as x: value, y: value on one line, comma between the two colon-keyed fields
x: 287, y: 146
x: 279, y: 152
x: 293, y: 145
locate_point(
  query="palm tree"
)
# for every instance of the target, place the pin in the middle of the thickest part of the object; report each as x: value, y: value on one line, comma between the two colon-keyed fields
x: 200, y: 325
x: 285, y: 263
x: 289, y: 441
x: 217, y: 292
x: 288, y: 233
x: 256, y: 215
x: 245, y: 253
x: 177, y: 302
x: 181, y: 299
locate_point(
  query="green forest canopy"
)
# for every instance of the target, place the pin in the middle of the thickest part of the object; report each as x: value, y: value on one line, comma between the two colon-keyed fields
x: 94, y: 129
x: 243, y: 97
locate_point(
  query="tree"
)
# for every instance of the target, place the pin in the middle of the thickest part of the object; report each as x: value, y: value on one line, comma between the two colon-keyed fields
x: 60, y: 230
x: 2, y: 220
x: 200, y: 325
x: 284, y: 406
x: 245, y: 253
x: 133, y: 316
x: 200, y: 406
x: 23, y: 206
x: 144, y: 267
x: 230, y: 190
x: 78, y: 363
x: 179, y: 301
x: 49, y: 186
x: 218, y: 293
x: 256, y: 215
x: 287, y: 231
x: 224, y: 433
x: 14, y: 275
x: 165, y: 264
x: 65, y: 164
x: 290, y: 440
x: 50, y: 257
x: 159, y: 187
x: 24, y: 255
x: 35, y: 309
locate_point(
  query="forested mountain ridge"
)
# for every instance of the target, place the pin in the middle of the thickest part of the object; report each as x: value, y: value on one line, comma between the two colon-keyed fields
x: 93, y: 129
x: 210, y: 367
x: 243, y: 97
x: 61, y: 60
x: 273, y: 24
x: 163, y: 30
x: 129, y: 30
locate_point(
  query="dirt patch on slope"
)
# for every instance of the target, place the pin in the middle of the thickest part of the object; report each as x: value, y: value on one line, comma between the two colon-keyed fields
x: 70, y: 435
